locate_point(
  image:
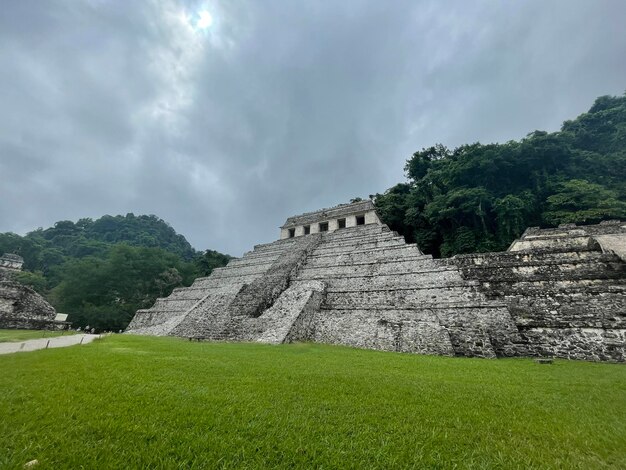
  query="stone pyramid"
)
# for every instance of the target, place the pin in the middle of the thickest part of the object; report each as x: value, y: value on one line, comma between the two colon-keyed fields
x: 340, y: 276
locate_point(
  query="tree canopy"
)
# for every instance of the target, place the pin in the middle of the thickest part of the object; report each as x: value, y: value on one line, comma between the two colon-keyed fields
x: 480, y: 197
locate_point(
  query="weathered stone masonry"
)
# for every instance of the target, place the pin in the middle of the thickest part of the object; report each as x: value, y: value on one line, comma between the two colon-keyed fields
x: 556, y: 292
x: 565, y: 289
x: 20, y: 306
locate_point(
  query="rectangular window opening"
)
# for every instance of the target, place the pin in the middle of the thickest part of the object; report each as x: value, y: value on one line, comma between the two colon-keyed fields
x: 323, y: 226
x: 360, y: 220
x: 292, y: 232
x: 307, y: 229
x: 341, y: 223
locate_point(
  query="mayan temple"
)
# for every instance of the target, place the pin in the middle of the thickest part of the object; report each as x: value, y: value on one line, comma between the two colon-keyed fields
x: 340, y: 276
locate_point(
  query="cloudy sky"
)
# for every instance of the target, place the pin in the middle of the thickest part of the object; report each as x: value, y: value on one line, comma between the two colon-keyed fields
x: 226, y: 117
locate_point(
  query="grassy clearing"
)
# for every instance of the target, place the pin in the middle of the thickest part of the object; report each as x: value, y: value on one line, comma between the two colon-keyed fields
x: 134, y: 402
x: 22, y: 335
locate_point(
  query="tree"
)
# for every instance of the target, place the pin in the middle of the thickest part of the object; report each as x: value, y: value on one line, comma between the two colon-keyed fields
x: 582, y: 201
x: 419, y: 164
x: 106, y: 293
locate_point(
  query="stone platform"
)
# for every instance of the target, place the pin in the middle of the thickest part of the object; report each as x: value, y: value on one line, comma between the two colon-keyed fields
x: 557, y: 293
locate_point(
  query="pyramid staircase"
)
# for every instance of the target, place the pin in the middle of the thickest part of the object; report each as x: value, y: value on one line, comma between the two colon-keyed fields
x: 189, y: 311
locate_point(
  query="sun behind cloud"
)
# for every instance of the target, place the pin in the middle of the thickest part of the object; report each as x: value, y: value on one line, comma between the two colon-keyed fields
x: 205, y: 20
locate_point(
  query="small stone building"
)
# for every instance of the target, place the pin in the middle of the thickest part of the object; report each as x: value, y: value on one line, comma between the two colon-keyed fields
x: 340, y: 276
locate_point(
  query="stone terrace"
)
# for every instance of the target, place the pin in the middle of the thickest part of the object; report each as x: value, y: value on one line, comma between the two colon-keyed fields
x: 557, y: 292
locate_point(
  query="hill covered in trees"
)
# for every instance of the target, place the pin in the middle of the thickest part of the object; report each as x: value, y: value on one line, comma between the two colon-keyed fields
x: 101, y: 271
x: 480, y: 197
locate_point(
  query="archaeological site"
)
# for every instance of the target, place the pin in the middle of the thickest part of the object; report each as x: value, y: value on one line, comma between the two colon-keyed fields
x: 340, y: 276
x: 20, y: 306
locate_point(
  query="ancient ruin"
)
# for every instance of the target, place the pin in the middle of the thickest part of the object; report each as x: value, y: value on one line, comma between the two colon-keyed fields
x: 20, y: 306
x: 10, y: 263
x: 340, y: 276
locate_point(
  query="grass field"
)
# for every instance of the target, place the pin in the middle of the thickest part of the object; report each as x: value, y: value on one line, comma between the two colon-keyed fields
x: 135, y: 402
x: 23, y: 335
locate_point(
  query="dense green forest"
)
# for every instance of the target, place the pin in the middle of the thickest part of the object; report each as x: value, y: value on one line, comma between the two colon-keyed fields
x: 479, y: 197
x: 100, y: 272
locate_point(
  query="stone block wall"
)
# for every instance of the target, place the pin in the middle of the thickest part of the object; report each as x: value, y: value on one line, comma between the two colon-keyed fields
x: 188, y: 311
x: 566, y: 296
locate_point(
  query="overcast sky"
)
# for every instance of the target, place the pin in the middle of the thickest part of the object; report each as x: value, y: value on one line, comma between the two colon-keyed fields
x: 225, y: 117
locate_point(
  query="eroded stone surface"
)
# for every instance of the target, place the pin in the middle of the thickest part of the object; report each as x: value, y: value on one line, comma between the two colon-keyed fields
x: 23, y: 308
x: 564, y: 289
x: 20, y: 306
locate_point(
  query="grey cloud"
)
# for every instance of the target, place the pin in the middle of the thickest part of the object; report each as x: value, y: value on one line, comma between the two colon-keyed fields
x: 280, y: 107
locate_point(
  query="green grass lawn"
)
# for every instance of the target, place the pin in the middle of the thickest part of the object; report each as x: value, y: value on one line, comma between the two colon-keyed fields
x: 23, y: 335
x: 134, y: 402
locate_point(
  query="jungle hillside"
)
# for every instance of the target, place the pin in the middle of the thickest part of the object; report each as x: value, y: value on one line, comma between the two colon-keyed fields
x: 481, y: 197
x: 102, y: 271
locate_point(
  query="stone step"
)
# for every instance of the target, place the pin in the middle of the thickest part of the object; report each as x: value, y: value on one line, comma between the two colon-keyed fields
x: 256, y: 255
x: 322, y: 250
x: 154, y: 323
x: 383, y: 267
x: 208, y: 315
x: 278, y: 244
x: 252, y: 261
x: 359, y: 281
x: 242, y: 270
x: 332, y: 240
x: 225, y: 280
x: 567, y: 242
x: 404, y: 298
x: 518, y: 258
x: 374, y: 254
x: 175, y: 321
x: 198, y: 290
x: 346, y: 260
x: 542, y: 288
x: 183, y: 294
x: 356, y: 231
x: 569, y: 271
x: 359, y: 241
x: 170, y: 304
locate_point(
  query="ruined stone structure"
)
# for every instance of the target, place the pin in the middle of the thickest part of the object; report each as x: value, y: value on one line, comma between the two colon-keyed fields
x: 340, y: 276
x: 10, y: 263
x: 20, y: 306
